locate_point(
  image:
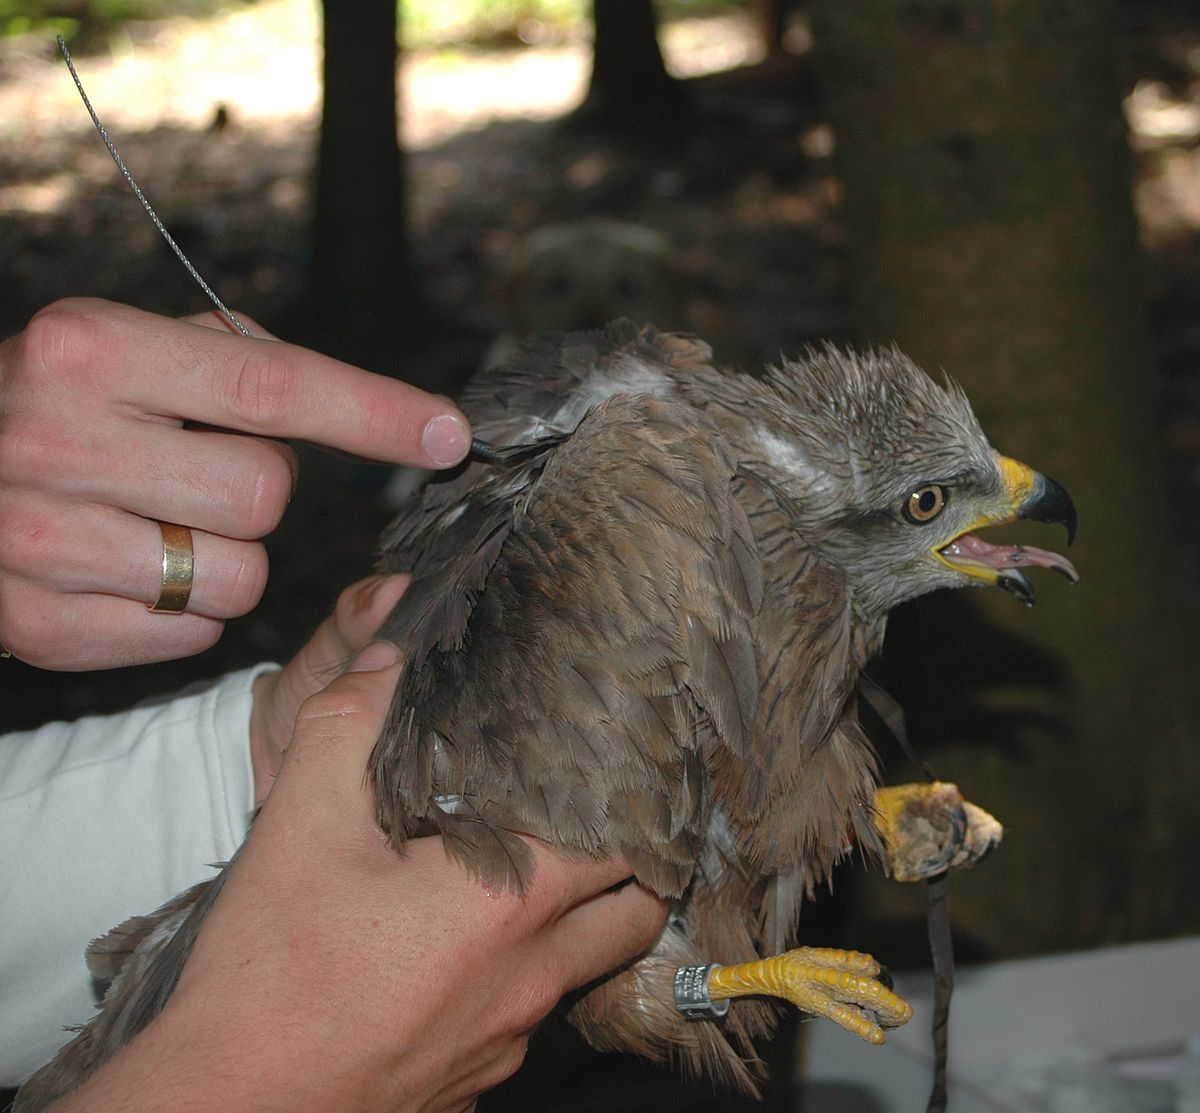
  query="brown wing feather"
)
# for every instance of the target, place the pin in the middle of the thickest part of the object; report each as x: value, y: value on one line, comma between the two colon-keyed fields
x: 605, y: 621
x: 812, y: 787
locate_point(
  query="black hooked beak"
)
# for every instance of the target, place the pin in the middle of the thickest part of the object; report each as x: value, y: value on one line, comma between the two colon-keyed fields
x: 1049, y: 502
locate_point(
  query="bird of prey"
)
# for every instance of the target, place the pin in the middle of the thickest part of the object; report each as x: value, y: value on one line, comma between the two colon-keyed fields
x: 638, y: 625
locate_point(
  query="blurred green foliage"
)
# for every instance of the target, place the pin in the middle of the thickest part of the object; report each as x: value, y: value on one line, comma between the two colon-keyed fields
x: 423, y: 22
x: 89, y: 18
x: 488, y: 22
x: 441, y: 22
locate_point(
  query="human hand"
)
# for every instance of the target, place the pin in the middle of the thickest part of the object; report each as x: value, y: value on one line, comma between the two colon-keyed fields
x: 278, y: 696
x: 112, y: 420
x: 334, y: 974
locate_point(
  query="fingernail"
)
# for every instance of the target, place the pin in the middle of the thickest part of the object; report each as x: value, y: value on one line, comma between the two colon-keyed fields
x: 371, y: 588
x: 446, y: 439
x: 374, y: 657
x: 392, y: 586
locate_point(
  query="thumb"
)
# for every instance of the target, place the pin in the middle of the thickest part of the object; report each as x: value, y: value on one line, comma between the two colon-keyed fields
x: 359, y: 612
x: 357, y: 615
x: 335, y: 731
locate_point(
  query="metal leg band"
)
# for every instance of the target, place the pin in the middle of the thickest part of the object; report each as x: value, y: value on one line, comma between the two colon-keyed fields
x: 691, y: 993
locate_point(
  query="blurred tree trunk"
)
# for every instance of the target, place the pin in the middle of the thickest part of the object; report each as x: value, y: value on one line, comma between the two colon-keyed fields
x: 630, y: 90
x: 987, y: 200
x: 771, y: 17
x: 360, y: 243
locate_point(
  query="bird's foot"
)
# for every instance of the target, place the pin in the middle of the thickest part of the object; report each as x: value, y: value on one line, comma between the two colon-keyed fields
x: 839, y: 985
x: 929, y: 828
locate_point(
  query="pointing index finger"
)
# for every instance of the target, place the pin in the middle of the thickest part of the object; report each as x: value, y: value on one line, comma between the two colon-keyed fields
x: 274, y: 389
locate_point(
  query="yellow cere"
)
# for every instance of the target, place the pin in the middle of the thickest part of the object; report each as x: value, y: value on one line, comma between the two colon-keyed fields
x: 1018, y: 479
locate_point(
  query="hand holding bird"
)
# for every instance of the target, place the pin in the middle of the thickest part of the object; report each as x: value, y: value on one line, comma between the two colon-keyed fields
x: 639, y: 630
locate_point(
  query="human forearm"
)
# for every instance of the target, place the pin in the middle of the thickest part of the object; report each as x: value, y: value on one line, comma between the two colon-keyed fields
x: 100, y: 820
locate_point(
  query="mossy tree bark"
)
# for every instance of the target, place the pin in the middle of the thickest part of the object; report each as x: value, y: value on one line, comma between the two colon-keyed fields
x: 987, y: 201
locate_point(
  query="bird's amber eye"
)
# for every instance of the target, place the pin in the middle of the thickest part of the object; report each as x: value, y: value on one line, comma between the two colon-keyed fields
x: 925, y: 504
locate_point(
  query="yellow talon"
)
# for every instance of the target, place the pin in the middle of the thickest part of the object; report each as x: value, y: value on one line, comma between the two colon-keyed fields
x: 840, y: 985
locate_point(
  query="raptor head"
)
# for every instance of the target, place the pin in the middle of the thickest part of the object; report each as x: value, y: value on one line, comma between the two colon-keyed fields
x: 893, y: 478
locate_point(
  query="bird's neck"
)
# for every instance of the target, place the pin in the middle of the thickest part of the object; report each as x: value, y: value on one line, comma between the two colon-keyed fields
x: 867, y: 635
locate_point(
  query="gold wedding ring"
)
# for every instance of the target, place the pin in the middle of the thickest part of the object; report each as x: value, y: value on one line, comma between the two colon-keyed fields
x: 177, y: 565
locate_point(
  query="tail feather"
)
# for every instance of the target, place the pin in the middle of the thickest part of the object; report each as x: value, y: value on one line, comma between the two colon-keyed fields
x: 139, y: 937
x: 141, y: 960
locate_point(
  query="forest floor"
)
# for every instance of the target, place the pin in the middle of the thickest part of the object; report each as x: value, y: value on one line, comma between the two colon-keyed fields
x: 219, y: 119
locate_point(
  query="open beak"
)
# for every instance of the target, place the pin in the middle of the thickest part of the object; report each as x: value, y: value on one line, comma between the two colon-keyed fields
x: 1028, y: 495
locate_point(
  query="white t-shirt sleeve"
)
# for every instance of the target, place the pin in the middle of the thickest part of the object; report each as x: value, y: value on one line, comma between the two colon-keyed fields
x: 100, y: 820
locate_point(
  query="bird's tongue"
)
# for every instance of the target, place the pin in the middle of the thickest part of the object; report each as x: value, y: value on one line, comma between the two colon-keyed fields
x: 970, y: 549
